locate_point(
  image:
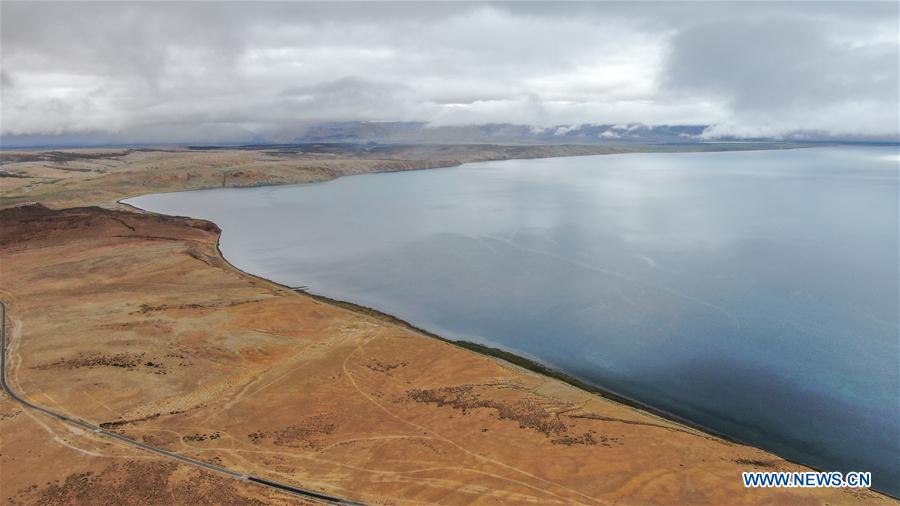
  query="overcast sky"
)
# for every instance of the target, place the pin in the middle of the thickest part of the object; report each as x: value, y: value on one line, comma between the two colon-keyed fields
x: 747, y: 68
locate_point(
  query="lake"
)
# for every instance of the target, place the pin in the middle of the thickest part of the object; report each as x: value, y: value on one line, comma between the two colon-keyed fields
x: 754, y: 293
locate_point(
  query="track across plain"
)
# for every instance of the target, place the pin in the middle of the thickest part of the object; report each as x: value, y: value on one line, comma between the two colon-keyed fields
x: 308, y: 494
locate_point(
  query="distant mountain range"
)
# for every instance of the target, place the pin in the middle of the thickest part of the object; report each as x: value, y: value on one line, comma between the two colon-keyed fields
x: 415, y: 133
x: 497, y: 133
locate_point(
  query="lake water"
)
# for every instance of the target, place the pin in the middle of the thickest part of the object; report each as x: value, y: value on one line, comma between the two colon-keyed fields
x: 755, y: 293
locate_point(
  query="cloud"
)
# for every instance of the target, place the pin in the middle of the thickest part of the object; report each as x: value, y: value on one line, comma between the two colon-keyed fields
x: 777, y: 74
x: 132, y: 69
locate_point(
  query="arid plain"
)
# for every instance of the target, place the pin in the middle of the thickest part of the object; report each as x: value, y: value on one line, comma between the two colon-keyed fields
x: 135, y: 322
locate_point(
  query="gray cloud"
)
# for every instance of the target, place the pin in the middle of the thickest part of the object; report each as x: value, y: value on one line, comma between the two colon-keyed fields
x: 177, y: 69
x: 349, y: 98
x: 780, y: 72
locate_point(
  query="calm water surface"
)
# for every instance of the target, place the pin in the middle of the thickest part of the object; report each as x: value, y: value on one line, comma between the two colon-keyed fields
x: 755, y: 293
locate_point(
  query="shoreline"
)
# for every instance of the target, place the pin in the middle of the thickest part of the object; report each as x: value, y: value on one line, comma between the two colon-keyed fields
x: 503, y: 355
x: 322, y: 360
x: 725, y: 147
x: 495, y: 353
x: 528, y: 364
x: 484, y: 350
x: 519, y: 361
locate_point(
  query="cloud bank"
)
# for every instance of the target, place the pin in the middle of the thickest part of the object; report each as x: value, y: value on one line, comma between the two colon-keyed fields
x: 228, y: 71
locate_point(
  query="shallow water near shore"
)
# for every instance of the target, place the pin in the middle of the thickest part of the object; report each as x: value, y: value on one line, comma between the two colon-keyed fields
x: 754, y: 293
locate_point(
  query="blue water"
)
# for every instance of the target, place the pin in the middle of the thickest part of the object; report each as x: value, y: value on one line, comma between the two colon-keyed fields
x: 755, y: 293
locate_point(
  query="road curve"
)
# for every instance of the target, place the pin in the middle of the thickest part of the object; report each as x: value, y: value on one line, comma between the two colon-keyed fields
x: 308, y: 494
